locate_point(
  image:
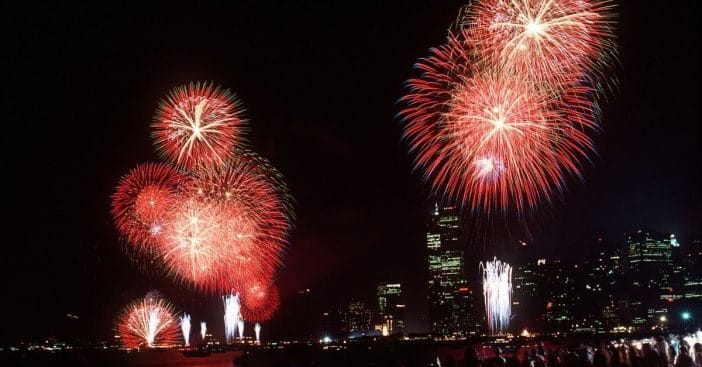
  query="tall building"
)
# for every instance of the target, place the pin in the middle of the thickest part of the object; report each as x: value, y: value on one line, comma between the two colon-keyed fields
x: 603, y: 278
x: 355, y: 319
x: 545, y: 295
x: 450, y: 304
x: 650, y: 272
x: 391, y: 309
x: 692, y: 286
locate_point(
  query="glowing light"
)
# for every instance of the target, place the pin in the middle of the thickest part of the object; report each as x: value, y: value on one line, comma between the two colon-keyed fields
x: 203, y: 330
x: 551, y: 42
x: 497, y: 292
x: 140, y: 202
x: 149, y: 322
x: 515, y: 156
x: 257, y: 330
x: 231, y: 316
x: 198, y: 125
x: 504, y: 112
x: 241, y: 325
x: 185, y: 328
x: 260, y: 300
x: 686, y: 315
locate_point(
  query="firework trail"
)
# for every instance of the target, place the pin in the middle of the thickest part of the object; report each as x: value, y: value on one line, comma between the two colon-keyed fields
x: 185, y: 327
x: 231, y: 316
x: 497, y: 292
x: 499, y: 143
x: 198, y: 126
x: 149, y: 322
x: 240, y: 325
x: 257, y: 330
x: 203, y: 330
x: 503, y: 113
x: 554, y: 43
x: 260, y: 300
x: 220, y: 218
x: 142, y: 199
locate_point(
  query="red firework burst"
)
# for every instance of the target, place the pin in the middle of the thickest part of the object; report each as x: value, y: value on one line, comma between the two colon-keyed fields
x: 495, y: 141
x: 141, y: 200
x: 233, y: 227
x: 260, y: 300
x: 198, y: 125
x: 551, y: 42
x: 149, y: 322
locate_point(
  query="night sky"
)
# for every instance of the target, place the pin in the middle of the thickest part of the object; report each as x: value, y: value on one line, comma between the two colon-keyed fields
x: 320, y: 83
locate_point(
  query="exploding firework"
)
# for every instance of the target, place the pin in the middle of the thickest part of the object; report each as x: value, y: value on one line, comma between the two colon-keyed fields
x: 551, y: 42
x: 198, y: 125
x: 149, y: 322
x: 142, y: 199
x: 257, y: 330
x: 231, y: 315
x: 232, y: 227
x: 260, y: 301
x: 495, y: 142
x: 497, y: 292
x: 240, y: 326
x: 203, y: 330
x: 194, y: 242
x: 185, y: 328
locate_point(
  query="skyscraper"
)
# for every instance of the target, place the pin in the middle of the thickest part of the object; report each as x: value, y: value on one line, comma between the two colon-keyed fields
x: 355, y: 318
x: 650, y: 263
x: 391, y: 309
x: 450, y: 304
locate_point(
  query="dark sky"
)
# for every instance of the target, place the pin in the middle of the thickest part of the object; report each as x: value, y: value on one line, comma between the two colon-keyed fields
x: 320, y: 83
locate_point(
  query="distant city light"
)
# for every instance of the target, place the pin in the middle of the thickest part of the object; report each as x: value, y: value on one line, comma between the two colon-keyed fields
x: 663, y: 318
x: 686, y: 315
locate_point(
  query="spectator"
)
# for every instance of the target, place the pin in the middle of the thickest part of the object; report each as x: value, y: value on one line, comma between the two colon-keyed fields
x: 684, y: 359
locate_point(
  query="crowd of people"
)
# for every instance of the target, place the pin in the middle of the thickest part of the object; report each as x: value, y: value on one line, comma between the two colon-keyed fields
x: 674, y: 351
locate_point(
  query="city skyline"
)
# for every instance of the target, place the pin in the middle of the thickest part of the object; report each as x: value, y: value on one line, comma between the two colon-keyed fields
x: 329, y: 126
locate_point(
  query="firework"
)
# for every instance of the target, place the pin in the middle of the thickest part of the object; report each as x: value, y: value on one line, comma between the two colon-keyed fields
x: 193, y: 245
x: 149, y: 322
x: 203, y: 330
x: 550, y: 42
x: 495, y: 142
x: 260, y: 301
x: 497, y: 292
x: 257, y: 330
x: 142, y: 199
x: 198, y: 125
x: 185, y: 328
x: 240, y: 325
x: 231, y: 315
x: 232, y: 228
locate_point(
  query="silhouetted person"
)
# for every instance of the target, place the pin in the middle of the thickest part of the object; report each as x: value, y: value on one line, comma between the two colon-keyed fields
x: 663, y: 352
x: 513, y: 361
x: 470, y: 357
x: 698, y: 354
x: 650, y: 356
x: 684, y: 359
x: 602, y: 357
x: 498, y: 360
x: 554, y: 359
x: 537, y: 359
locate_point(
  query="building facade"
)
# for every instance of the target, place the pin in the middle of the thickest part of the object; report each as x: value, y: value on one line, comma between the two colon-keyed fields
x: 391, y: 309
x: 450, y: 303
